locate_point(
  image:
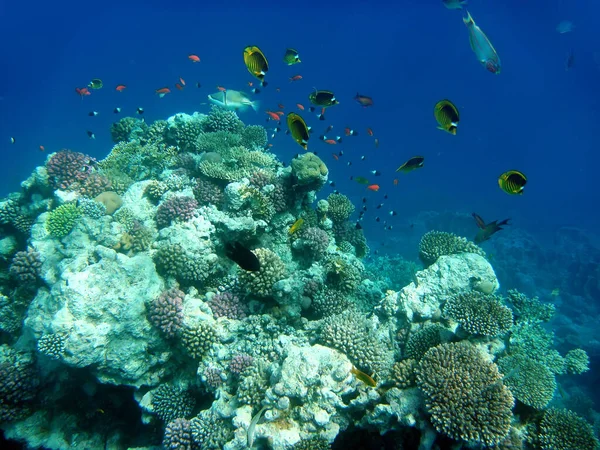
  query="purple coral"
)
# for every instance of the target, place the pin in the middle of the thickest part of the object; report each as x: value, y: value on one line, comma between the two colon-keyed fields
x: 166, y: 312
x: 66, y: 168
x: 228, y: 305
x: 175, y: 208
x: 208, y: 193
x: 178, y: 435
x: 26, y: 266
x: 213, y: 377
x: 239, y: 363
x: 94, y: 185
x: 261, y: 178
x: 314, y: 242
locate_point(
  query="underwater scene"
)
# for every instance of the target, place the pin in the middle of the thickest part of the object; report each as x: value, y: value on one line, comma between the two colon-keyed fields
x: 309, y: 226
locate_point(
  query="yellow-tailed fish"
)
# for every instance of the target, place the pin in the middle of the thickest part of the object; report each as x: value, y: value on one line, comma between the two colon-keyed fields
x: 447, y: 116
x: 296, y: 226
x: 360, y: 375
x: 512, y: 182
x: 96, y: 83
x: 256, y: 63
x: 482, y: 47
x: 291, y: 57
x: 416, y: 162
x: 298, y: 129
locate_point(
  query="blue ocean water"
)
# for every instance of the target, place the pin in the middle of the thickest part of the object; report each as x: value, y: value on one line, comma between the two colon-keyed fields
x: 535, y: 116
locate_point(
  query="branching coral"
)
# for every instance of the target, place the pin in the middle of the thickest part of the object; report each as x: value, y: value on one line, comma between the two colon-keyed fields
x: 260, y: 282
x: 577, y: 361
x: 254, y: 137
x: 534, y: 342
x: 61, y: 221
x: 173, y: 261
x: 220, y: 119
x: 565, y: 430
x: 479, y: 313
x: 209, y: 432
x: 404, y: 373
x: 166, y: 312
x: 26, y: 266
x: 421, y: 341
x: 438, y: 243
x: 529, y: 310
x: 170, y: 403
x: 340, y: 207
x: 67, y: 168
x: 122, y: 130
x: 530, y: 381
x: 343, y: 274
x: 198, y: 340
x: 464, y: 394
x: 226, y: 304
x: 139, y: 162
x: 178, y: 435
x: 176, y: 208
x: 18, y: 383
x: 52, y: 344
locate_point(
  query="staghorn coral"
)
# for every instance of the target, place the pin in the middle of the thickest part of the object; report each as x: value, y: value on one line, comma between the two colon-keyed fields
x: 565, y: 430
x: 26, y: 266
x: 170, y: 403
x: 166, y: 312
x: 175, y: 209
x: 464, y: 394
x: 198, y: 340
x: 479, y: 313
x: 437, y: 243
x: 577, y: 361
x: 340, y: 207
x: 61, y: 221
x: 272, y: 269
x: 531, y: 382
x: 220, y: 119
x: 178, y: 435
x: 226, y: 304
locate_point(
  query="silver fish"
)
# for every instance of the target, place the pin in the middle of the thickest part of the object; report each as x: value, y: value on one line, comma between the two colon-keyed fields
x: 233, y: 100
x: 481, y: 46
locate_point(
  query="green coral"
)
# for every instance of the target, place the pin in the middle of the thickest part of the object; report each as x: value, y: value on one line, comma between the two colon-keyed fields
x: 577, y: 361
x: 309, y: 171
x: 479, y: 313
x: 184, y: 132
x: 529, y: 310
x: 219, y: 142
x: 121, y: 131
x: 252, y: 386
x: 465, y: 395
x: 327, y: 301
x: 220, y: 119
x: 139, y: 162
x: 155, y: 190
x: 254, y: 137
x: 343, y: 274
x: 438, y: 243
x: 236, y: 163
x: 209, y: 432
x: 260, y: 205
x: 565, y: 430
x: 173, y: 261
x: 61, y: 221
x: 260, y: 282
x: 198, y: 340
x: 340, y: 207
x: 156, y: 132
x: 531, y: 382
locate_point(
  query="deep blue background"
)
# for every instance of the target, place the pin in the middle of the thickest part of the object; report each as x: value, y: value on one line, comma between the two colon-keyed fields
x: 535, y: 116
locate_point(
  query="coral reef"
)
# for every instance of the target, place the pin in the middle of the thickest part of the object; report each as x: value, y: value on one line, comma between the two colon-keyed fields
x: 479, y: 313
x: 438, y: 243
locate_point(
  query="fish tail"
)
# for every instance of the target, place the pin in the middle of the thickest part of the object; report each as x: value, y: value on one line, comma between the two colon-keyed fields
x: 255, y: 105
x: 468, y: 20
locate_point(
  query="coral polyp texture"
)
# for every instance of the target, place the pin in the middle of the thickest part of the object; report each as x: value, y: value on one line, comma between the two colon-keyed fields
x: 193, y: 291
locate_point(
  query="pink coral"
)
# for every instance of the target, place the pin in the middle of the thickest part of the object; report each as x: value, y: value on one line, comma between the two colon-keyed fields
x: 175, y: 208
x: 166, y: 312
x: 66, y: 168
x: 228, y: 305
x: 94, y: 185
x: 213, y: 377
x: 208, y: 193
x: 239, y: 363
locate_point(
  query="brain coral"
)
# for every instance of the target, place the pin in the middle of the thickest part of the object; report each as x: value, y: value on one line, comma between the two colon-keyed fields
x: 309, y: 171
x: 260, y: 282
x: 479, y: 313
x: 437, y: 243
x: 531, y: 382
x: 464, y: 394
x: 565, y: 430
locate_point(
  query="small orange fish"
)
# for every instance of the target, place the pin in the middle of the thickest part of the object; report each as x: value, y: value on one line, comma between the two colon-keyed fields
x: 365, y: 378
x: 182, y: 81
x: 273, y: 116
x: 279, y: 113
x: 83, y: 91
x: 194, y: 58
x: 369, y: 132
x: 295, y: 78
x: 300, y: 106
x: 336, y: 157
x: 376, y: 143
x: 270, y: 145
x: 42, y: 148
x: 221, y: 88
x: 280, y: 106
x: 330, y: 141
x: 120, y: 87
x: 163, y: 91
x: 179, y: 86
x: 395, y: 181
x: 373, y: 187
x: 250, y: 83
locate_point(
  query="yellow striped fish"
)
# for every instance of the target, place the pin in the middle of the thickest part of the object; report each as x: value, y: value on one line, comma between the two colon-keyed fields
x: 360, y: 375
x: 256, y: 63
x: 512, y: 182
x: 296, y: 226
x: 298, y: 129
x: 447, y: 116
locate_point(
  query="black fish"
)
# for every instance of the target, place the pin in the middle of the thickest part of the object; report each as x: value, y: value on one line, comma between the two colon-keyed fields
x: 487, y: 230
x: 242, y: 256
x: 570, y: 59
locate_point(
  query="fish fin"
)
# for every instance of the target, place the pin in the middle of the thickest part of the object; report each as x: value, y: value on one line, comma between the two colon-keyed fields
x: 255, y: 105
x: 468, y: 20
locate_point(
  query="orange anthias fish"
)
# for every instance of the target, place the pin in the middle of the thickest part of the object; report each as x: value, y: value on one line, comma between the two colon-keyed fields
x: 330, y: 141
x: 179, y: 87
x: 273, y: 116
x: 182, y: 81
x: 373, y: 187
x: 279, y: 113
x: 369, y: 132
x: 363, y: 100
x: 42, y: 148
x: 163, y: 91
x: 194, y: 58
x: 221, y: 88
x: 83, y: 91
x: 336, y: 157
x: 300, y: 106
x: 295, y: 78
x: 250, y: 83
x: 395, y: 181
x: 120, y: 87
